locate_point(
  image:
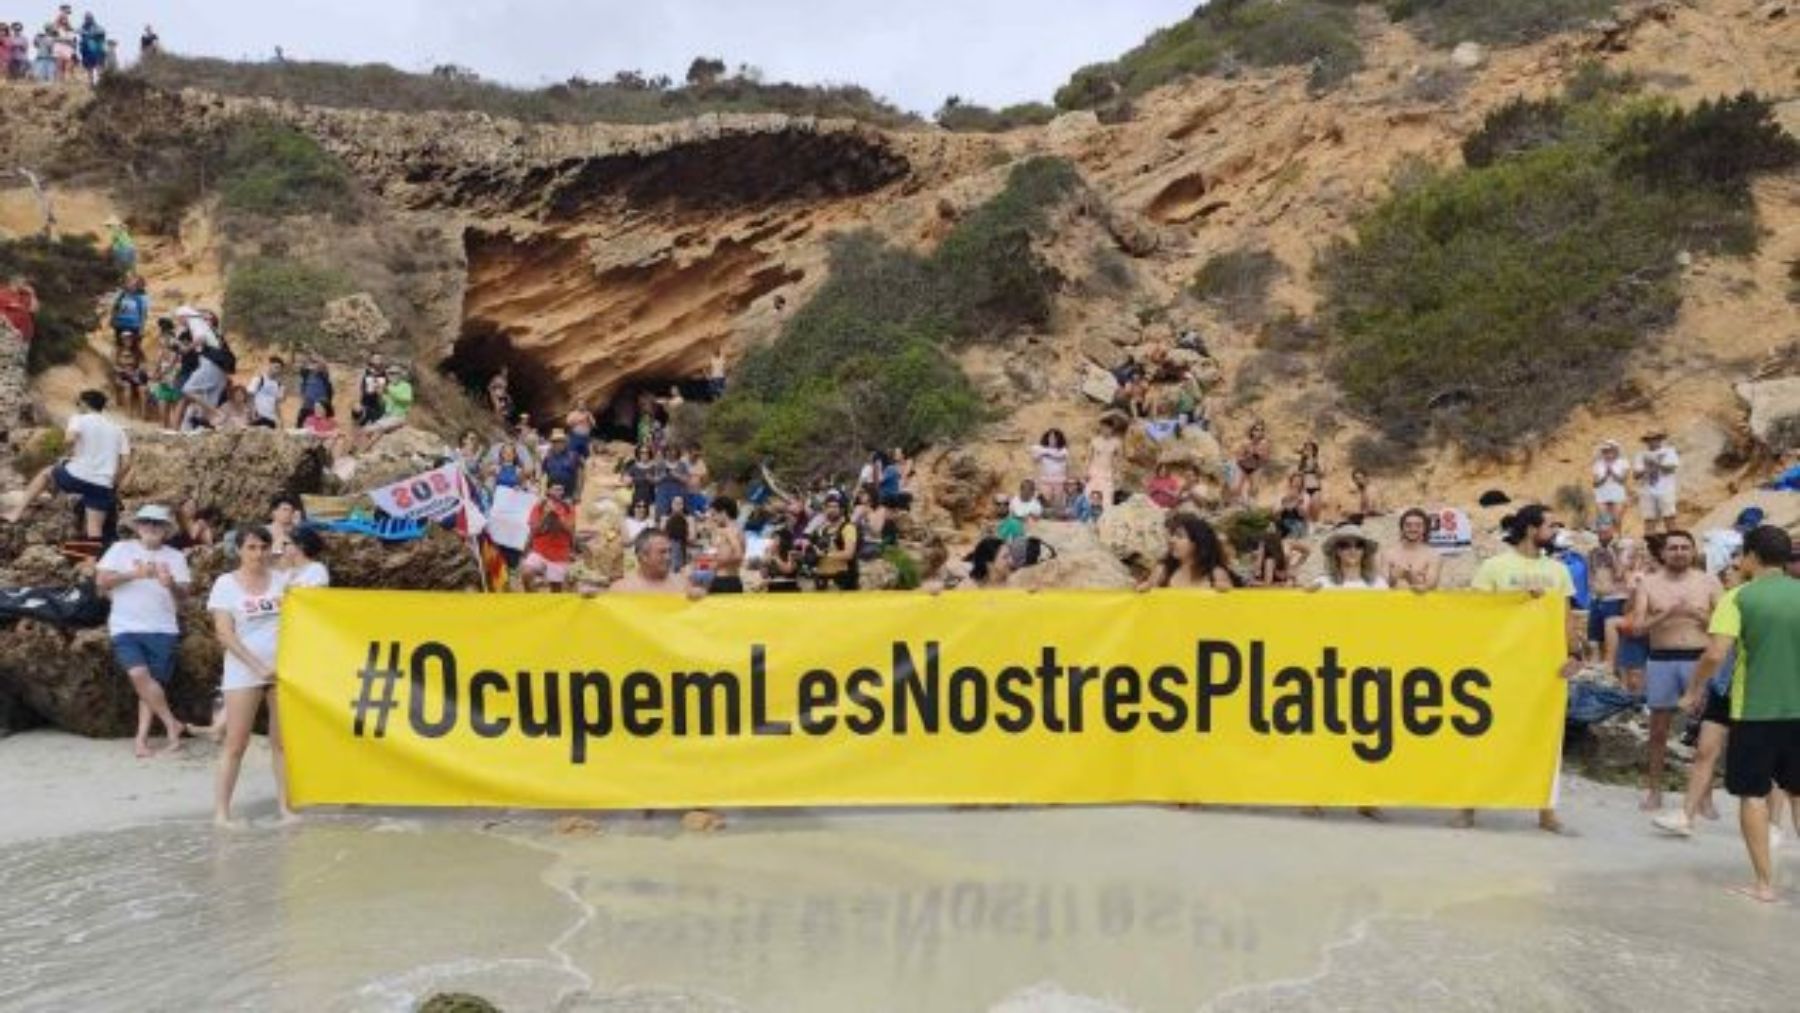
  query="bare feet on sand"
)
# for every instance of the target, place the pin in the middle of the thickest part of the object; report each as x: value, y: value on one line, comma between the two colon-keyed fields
x: 141, y: 749
x: 1707, y: 810
x: 1756, y: 892
x: 702, y: 821
x: 224, y: 822
x: 287, y: 818
x: 1652, y: 802
x: 174, y: 744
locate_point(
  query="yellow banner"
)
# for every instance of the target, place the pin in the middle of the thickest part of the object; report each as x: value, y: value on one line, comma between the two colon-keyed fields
x: 1256, y: 697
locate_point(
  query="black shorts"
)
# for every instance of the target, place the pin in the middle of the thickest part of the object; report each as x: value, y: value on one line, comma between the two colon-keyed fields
x: 1718, y: 709
x: 726, y: 585
x: 1761, y: 755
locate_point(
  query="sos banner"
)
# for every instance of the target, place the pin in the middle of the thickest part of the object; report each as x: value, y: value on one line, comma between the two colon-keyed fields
x: 1274, y: 698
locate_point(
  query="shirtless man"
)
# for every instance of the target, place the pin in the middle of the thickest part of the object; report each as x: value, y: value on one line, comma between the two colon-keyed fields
x: 1673, y: 608
x: 728, y: 548
x: 1413, y: 564
x: 654, y: 574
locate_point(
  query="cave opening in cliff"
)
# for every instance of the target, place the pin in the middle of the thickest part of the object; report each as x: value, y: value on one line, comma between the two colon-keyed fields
x: 484, y: 350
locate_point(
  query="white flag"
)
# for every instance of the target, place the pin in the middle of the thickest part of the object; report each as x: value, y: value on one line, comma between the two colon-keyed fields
x: 432, y: 496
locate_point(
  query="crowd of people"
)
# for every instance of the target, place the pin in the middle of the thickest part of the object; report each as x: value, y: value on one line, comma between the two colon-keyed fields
x: 64, y: 50
x: 1696, y: 628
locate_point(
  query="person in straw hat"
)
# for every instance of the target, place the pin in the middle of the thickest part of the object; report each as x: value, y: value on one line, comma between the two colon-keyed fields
x: 1612, y: 476
x: 145, y: 579
x: 1657, y: 486
x: 1352, y: 562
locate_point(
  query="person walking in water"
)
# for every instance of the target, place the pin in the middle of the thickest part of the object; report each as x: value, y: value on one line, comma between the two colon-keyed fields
x: 1761, y: 620
x: 246, y: 610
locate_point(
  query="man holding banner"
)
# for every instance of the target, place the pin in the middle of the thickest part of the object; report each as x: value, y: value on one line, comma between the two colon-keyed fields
x: 1528, y: 567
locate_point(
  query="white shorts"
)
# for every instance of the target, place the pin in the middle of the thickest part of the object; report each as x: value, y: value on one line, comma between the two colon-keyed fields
x: 555, y: 573
x: 1656, y: 508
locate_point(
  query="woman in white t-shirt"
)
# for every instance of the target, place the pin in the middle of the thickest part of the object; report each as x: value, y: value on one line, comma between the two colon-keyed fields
x: 305, y: 560
x: 246, y: 609
x: 1351, y: 562
x: 1611, y: 474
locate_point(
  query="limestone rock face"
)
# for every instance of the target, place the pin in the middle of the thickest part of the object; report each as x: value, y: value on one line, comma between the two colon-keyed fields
x: 398, y: 455
x: 964, y: 486
x: 238, y: 472
x: 68, y: 677
x: 1774, y: 411
x: 1082, y: 561
x: 1133, y: 532
x: 356, y: 321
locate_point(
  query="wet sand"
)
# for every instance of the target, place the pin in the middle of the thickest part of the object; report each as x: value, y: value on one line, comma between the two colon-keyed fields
x: 1092, y: 909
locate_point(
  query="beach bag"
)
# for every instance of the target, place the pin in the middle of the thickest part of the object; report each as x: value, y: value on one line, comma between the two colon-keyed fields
x: 1029, y: 551
x: 221, y: 356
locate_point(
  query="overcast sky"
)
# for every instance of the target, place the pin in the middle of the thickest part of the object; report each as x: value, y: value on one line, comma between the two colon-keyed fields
x: 914, y: 52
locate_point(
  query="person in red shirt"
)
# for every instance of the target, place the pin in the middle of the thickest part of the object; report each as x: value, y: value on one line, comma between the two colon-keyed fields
x: 19, y: 307
x: 552, y: 541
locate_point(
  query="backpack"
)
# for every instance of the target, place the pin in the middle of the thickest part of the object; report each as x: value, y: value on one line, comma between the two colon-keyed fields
x: 1030, y: 551
x: 128, y: 312
x: 221, y: 356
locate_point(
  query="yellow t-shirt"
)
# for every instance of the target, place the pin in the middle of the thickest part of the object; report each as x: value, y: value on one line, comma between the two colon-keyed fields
x: 1511, y: 571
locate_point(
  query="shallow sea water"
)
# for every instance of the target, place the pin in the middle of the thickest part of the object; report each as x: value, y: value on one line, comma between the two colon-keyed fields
x: 1088, y: 910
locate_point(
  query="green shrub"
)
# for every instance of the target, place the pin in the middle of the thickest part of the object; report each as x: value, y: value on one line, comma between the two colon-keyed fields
x: 628, y: 98
x: 987, y: 277
x: 146, y: 146
x: 1494, y: 22
x: 70, y: 275
x: 1320, y: 34
x: 1519, y: 126
x: 906, y: 568
x: 1479, y: 305
x: 1237, y: 281
x: 1379, y: 456
x: 864, y: 363
x: 965, y: 117
x: 279, y: 302
x: 272, y: 170
x: 1717, y: 145
x: 1243, y: 529
x: 43, y: 450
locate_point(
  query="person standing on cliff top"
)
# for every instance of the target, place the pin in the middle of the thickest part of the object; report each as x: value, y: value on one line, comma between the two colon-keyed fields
x: 146, y: 580
x: 1673, y: 607
x: 1525, y: 567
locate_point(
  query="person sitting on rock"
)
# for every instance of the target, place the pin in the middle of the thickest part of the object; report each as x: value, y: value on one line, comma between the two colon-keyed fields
x: 146, y: 579
x: 98, y: 459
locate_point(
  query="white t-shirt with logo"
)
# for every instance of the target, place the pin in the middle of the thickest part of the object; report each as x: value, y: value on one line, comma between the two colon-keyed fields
x: 144, y: 605
x: 313, y: 574
x: 99, y: 444
x: 1658, y: 468
x: 265, y: 398
x: 258, y: 622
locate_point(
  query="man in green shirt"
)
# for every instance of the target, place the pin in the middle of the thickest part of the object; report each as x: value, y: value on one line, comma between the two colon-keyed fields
x: 1763, y: 621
